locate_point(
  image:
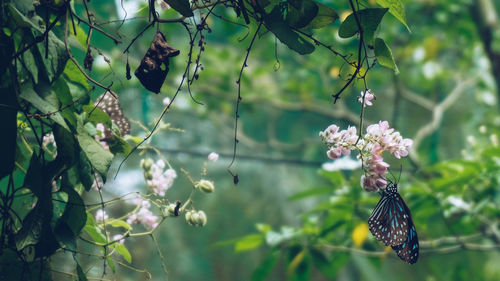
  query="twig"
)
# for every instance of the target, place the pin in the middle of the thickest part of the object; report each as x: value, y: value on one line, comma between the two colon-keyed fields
x: 437, y: 115
x: 93, y: 26
x: 74, y: 60
x: 238, y: 100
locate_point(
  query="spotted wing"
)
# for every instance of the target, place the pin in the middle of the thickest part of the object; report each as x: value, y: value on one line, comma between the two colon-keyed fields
x: 408, y: 250
x: 111, y: 105
x: 389, y: 221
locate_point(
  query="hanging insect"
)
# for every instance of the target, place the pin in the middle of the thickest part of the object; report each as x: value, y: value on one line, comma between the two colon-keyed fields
x: 153, y: 69
x: 110, y: 104
x: 391, y: 223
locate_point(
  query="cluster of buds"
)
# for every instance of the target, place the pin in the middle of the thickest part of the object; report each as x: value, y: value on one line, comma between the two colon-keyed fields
x: 157, y: 180
x: 196, y: 218
x: 378, y: 138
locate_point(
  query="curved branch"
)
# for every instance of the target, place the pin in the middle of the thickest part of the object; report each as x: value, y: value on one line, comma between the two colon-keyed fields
x: 437, y: 115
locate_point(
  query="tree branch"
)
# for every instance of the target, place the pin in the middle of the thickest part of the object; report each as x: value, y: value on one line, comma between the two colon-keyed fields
x: 437, y: 115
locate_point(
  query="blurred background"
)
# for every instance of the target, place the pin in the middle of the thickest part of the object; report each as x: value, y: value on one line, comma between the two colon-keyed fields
x: 290, y: 197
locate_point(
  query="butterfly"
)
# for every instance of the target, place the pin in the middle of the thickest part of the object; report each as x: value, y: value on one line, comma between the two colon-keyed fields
x: 408, y: 251
x: 110, y: 104
x: 391, y: 223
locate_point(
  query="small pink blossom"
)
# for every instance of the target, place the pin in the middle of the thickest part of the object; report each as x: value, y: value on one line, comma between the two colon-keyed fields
x: 166, y: 101
x: 101, y: 216
x: 212, y: 157
x: 118, y: 238
x: 334, y: 153
x: 48, y: 139
x: 368, y: 96
x: 144, y: 215
x: 98, y: 183
x: 161, y: 180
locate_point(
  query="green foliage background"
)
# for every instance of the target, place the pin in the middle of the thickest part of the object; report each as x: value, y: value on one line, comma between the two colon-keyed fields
x: 287, y: 100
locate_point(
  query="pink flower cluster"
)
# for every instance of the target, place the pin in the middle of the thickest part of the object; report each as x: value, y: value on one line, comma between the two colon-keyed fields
x: 342, y: 142
x: 159, y: 181
x: 378, y: 138
x: 144, y: 215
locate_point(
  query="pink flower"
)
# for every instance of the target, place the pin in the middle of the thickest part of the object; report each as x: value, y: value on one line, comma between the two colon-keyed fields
x: 161, y: 180
x: 212, y: 157
x: 379, y: 137
x: 368, y: 96
x: 144, y: 215
x: 101, y: 216
x: 373, y: 183
x: 334, y: 153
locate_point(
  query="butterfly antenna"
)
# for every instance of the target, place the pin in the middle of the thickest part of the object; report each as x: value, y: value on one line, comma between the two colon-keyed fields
x: 394, y: 177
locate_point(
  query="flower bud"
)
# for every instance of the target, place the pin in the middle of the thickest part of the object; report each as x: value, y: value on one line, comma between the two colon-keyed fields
x: 206, y: 186
x: 171, y: 209
x: 188, y: 217
x: 148, y: 175
x: 146, y: 164
x: 202, y: 218
x: 194, y: 218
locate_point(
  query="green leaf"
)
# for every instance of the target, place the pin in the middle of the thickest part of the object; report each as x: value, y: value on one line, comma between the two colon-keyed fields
x: 248, y: 242
x: 62, y: 91
x: 20, y: 19
x: 93, y: 230
x: 28, y: 94
x: 75, y: 215
x: 311, y: 192
x: 266, y: 266
x: 120, y: 223
x: 57, y: 56
x: 181, y: 6
x: 117, y: 145
x: 34, y: 176
x: 275, y: 23
x: 85, y: 171
x: 29, y: 234
x: 384, y: 55
x: 111, y: 263
x: 369, y: 20
x: 73, y: 74
x: 324, y: 17
x: 29, y: 62
x: 67, y: 148
x: 79, y: 270
x: 396, y: 8
x: 96, y: 115
x: 297, y: 261
x: 123, y: 251
x: 97, y: 155
x: 300, y: 13
x: 65, y: 235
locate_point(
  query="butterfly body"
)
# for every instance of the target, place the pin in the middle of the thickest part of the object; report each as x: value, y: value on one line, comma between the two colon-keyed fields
x: 391, y: 223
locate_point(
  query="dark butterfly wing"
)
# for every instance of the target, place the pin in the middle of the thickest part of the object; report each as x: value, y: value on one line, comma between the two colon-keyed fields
x: 408, y: 251
x: 111, y: 105
x: 389, y: 221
